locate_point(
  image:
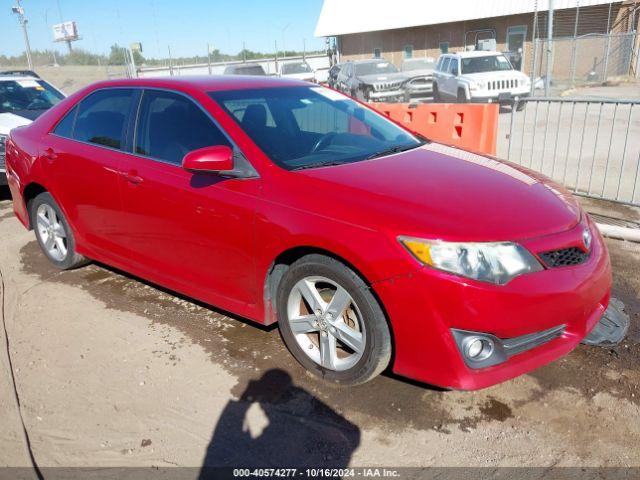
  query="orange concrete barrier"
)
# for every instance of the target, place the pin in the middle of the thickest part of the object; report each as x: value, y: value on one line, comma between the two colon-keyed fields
x: 472, y: 127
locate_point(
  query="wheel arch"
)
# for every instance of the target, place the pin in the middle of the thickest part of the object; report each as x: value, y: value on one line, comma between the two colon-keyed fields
x: 285, y: 259
x: 31, y: 191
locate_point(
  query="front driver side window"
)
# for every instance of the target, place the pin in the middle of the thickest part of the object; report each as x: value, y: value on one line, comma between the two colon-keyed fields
x: 170, y: 126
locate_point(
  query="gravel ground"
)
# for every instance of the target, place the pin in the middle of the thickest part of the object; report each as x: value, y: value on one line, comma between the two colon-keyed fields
x: 113, y: 371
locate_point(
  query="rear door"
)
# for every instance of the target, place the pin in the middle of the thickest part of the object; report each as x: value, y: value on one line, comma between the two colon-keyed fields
x: 192, y: 232
x: 83, y: 155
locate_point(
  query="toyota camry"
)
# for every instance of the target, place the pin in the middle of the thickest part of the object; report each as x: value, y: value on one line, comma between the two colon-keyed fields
x: 289, y: 203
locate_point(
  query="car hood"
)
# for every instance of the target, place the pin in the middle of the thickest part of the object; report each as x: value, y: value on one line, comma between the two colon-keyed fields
x: 419, y: 73
x: 503, y: 75
x: 441, y: 192
x: 14, y: 119
x: 383, y: 78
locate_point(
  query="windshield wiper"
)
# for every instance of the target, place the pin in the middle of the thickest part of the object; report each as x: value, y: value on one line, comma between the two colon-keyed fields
x: 318, y: 164
x: 396, y: 149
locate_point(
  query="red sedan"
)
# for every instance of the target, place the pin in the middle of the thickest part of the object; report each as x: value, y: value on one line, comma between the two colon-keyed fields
x: 287, y: 202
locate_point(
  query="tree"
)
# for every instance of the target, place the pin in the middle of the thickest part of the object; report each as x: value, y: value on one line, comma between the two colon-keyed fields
x: 119, y: 56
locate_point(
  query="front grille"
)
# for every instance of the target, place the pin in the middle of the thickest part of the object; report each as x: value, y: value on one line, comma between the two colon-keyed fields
x: 503, y: 84
x: 565, y: 257
x: 381, y: 87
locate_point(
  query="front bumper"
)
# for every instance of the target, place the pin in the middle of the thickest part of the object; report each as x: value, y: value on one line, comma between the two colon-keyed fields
x: 424, y: 90
x: 425, y: 306
x: 383, y: 96
x: 503, y: 98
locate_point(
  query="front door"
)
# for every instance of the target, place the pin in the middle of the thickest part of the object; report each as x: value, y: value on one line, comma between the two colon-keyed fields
x: 192, y: 232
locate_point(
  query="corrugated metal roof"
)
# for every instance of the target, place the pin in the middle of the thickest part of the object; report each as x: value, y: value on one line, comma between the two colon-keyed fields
x: 340, y: 17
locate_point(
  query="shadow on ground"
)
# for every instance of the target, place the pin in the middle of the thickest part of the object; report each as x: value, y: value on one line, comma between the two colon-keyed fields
x: 275, y: 423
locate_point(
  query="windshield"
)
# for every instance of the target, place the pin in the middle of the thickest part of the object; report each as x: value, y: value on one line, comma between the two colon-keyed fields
x: 426, y: 64
x: 248, y: 70
x: 28, y: 94
x: 289, y: 68
x: 374, y: 68
x: 305, y: 127
x: 490, y: 63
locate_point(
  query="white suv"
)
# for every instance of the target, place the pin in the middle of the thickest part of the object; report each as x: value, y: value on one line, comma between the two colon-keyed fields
x: 479, y: 76
x: 23, y: 97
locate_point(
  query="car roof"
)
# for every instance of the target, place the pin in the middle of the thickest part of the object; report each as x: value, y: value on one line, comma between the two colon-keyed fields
x: 419, y: 59
x: 474, y: 53
x: 205, y: 83
x: 370, y: 60
x: 238, y: 66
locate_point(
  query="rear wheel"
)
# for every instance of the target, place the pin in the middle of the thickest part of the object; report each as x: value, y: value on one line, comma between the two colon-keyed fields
x: 436, y: 93
x: 331, y: 322
x: 53, y: 233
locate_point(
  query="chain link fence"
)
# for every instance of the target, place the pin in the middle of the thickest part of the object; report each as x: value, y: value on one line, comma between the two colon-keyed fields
x: 589, y: 45
x: 590, y: 59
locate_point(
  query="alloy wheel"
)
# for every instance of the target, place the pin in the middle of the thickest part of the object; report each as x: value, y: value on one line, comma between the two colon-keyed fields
x: 326, y: 323
x: 52, y: 232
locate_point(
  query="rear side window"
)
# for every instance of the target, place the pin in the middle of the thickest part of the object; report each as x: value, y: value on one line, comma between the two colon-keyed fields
x: 65, y: 126
x: 170, y: 126
x: 102, y: 117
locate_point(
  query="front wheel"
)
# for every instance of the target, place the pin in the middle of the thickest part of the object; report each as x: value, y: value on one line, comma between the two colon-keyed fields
x: 53, y: 233
x: 462, y: 98
x: 331, y: 322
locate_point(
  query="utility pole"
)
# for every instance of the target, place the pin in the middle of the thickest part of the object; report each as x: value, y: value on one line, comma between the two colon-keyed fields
x: 18, y: 10
x: 68, y: 42
x: 170, y: 61
x: 547, y: 80
x: 534, y: 58
x: 209, y: 57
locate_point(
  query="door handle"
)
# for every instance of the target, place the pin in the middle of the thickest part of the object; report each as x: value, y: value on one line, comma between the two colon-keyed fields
x: 132, y: 177
x: 50, y: 154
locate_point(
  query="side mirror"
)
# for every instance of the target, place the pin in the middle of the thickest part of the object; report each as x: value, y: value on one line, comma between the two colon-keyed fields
x: 214, y: 159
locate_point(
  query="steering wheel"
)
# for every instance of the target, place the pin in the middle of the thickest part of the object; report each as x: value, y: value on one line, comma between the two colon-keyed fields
x: 35, y: 103
x: 324, y: 141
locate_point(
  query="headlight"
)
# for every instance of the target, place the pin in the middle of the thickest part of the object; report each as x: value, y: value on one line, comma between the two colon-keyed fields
x: 478, y: 85
x: 495, y: 262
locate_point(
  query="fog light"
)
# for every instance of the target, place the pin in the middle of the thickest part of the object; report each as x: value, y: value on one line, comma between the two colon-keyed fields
x: 478, y: 349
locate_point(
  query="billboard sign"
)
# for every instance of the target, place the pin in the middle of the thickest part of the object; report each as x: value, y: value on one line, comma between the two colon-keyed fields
x: 65, y: 32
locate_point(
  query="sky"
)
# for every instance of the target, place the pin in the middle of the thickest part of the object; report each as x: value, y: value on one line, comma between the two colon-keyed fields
x: 186, y: 25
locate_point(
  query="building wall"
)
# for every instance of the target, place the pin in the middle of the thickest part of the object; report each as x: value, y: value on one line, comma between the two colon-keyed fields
x: 426, y: 40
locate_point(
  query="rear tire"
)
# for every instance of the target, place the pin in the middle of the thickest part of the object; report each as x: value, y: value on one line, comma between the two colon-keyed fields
x: 436, y: 93
x: 53, y: 233
x: 331, y: 322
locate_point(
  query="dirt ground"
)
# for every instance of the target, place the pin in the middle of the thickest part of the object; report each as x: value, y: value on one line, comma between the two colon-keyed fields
x: 113, y: 371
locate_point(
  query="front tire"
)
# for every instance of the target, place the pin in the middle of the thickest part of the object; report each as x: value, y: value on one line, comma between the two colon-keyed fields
x: 462, y: 97
x: 53, y: 233
x: 331, y: 322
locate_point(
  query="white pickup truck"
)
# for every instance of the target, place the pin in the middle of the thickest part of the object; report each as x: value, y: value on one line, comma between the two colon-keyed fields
x: 479, y: 76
